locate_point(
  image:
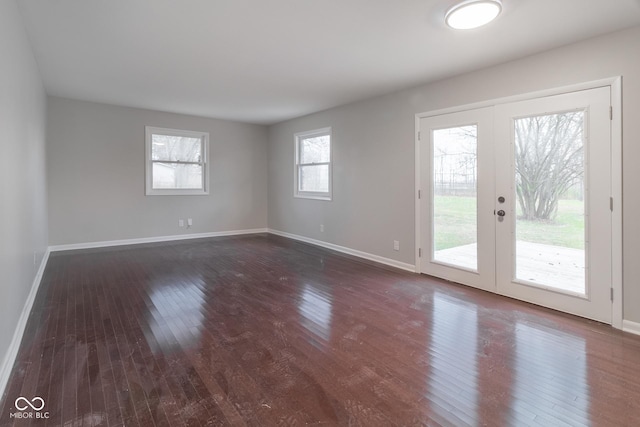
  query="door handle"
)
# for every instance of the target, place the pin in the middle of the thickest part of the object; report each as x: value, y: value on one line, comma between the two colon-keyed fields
x: 501, y: 213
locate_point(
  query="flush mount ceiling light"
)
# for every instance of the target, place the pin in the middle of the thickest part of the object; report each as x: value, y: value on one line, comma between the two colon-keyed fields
x: 470, y: 14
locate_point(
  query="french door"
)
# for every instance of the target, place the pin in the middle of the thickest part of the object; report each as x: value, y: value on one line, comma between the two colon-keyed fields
x: 459, y: 226
x: 516, y: 200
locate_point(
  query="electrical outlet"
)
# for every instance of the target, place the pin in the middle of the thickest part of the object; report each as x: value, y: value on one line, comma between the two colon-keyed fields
x: 322, y: 228
x: 181, y: 223
x: 189, y: 222
x: 396, y: 245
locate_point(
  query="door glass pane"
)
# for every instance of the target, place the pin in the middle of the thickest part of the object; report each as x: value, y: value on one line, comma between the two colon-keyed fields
x: 550, y: 197
x: 455, y: 218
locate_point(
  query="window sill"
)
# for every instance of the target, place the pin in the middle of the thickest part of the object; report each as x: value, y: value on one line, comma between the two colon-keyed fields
x: 312, y: 197
x: 176, y: 193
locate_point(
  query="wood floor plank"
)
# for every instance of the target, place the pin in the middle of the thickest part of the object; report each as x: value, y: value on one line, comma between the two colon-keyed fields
x: 261, y: 330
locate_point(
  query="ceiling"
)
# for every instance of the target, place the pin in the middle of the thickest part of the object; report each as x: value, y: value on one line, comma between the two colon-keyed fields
x: 264, y: 61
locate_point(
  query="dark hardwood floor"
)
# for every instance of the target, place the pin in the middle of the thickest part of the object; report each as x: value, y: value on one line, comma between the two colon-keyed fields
x: 260, y: 330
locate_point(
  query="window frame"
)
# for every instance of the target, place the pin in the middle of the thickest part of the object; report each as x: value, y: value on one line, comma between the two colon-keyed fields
x: 204, y: 162
x: 316, y: 195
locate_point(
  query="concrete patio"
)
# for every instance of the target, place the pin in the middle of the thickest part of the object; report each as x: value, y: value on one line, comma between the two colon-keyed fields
x: 554, y: 266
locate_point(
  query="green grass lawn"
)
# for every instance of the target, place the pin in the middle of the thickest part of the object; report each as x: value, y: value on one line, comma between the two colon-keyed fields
x: 455, y: 224
x: 567, y: 230
x: 454, y: 221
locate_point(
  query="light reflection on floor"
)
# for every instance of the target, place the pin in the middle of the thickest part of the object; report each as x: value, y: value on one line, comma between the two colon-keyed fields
x: 315, y: 309
x: 176, y: 317
x: 454, y: 330
x: 549, y: 379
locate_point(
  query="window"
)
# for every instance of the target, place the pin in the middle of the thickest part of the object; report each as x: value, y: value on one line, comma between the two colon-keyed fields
x: 176, y: 162
x: 313, y: 164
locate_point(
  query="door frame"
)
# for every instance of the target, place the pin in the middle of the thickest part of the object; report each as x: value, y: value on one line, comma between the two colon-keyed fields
x: 615, y: 83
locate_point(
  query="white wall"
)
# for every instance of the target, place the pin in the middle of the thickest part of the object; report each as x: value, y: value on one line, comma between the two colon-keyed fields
x: 373, y: 146
x: 96, y: 175
x: 23, y: 205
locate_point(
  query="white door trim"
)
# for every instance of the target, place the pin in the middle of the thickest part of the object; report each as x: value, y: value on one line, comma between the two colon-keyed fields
x: 616, y: 193
x: 615, y: 83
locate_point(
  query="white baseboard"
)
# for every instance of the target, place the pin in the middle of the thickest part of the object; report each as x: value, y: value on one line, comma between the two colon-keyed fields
x: 348, y: 251
x: 108, y: 243
x: 12, y: 351
x: 631, y: 327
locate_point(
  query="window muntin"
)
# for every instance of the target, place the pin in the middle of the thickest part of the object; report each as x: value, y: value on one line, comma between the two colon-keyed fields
x: 313, y: 164
x: 176, y: 162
